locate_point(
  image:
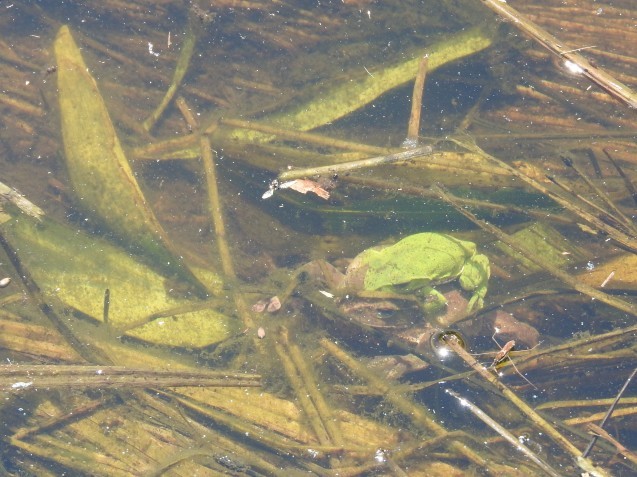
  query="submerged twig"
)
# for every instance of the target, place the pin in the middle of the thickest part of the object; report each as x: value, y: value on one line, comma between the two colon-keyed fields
x: 510, y: 438
x: 293, y: 135
x: 625, y: 221
x: 419, y: 416
x: 354, y: 165
x: 313, y: 390
x: 599, y: 432
x: 106, y: 306
x: 416, y: 104
x: 15, y: 197
x: 629, y: 183
x: 299, y: 385
x: 617, y: 235
x: 604, y: 80
x: 452, y: 342
x: 216, y: 212
x: 187, y: 49
x: 17, y: 377
x: 610, y: 412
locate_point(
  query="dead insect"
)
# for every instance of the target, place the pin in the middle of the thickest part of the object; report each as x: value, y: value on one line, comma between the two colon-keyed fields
x: 503, y: 354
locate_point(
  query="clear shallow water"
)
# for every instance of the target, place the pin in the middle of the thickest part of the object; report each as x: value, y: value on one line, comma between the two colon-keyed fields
x: 252, y: 64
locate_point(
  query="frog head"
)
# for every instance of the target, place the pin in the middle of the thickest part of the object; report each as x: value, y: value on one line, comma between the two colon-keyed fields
x: 475, y: 277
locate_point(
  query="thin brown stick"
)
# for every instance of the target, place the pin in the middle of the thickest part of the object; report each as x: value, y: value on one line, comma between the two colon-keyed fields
x: 75, y: 415
x: 313, y: 390
x: 630, y: 187
x: 596, y: 430
x: 504, y: 433
x: 186, y: 112
x: 215, y: 206
x: 618, y: 214
x: 602, y: 214
x: 413, y: 129
x: 309, y: 409
x: 610, y: 411
x: 311, y: 138
x: 617, y: 235
x: 353, y: 165
x: 220, y: 228
x: 539, y: 421
x: 17, y: 377
x: 418, y: 415
x: 584, y: 403
x: 605, y: 81
x: 625, y: 411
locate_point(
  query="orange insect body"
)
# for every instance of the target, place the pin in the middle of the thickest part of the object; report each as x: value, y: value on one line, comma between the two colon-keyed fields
x: 504, y: 351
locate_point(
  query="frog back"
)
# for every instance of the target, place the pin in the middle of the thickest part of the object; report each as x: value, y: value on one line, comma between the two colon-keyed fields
x: 425, y: 258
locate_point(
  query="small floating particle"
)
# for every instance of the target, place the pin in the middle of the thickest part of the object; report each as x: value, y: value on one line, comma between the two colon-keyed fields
x: 608, y: 279
x: 261, y: 333
x: 5, y: 282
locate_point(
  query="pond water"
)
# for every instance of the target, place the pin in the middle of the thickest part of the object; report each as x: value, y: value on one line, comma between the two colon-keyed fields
x: 177, y: 291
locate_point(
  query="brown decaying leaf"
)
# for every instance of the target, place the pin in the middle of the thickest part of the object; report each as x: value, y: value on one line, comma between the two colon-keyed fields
x: 304, y: 186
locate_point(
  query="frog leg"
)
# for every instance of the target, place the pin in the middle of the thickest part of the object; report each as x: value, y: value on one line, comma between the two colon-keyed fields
x: 475, y: 277
x: 434, y: 300
x: 318, y: 271
x: 477, y: 300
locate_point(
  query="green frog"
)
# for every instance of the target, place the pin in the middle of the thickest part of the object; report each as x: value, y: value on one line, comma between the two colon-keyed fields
x: 412, y: 266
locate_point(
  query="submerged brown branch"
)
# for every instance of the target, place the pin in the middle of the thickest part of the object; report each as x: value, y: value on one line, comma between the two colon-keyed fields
x: 416, y: 101
x: 510, y: 438
x: 418, y: 415
x: 604, y: 80
x: 538, y: 420
x: 354, y: 165
x: 17, y: 377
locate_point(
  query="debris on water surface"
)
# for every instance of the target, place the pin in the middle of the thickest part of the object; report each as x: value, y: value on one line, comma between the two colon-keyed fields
x: 270, y: 305
x: 300, y: 185
x: 274, y: 304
